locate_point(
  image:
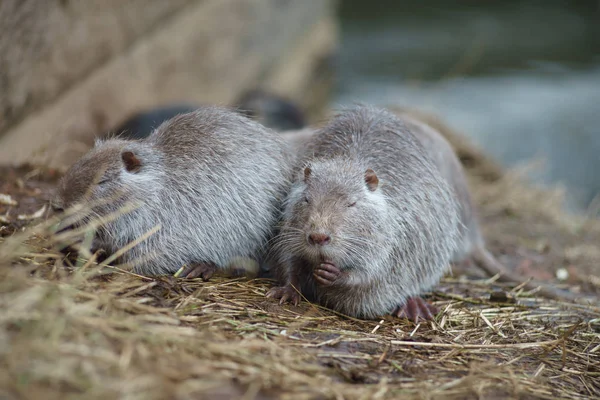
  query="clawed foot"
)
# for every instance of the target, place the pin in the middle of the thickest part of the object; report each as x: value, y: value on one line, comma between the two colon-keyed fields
x: 416, y: 308
x: 285, y: 293
x: 326, y: 274
x: 204, y: 270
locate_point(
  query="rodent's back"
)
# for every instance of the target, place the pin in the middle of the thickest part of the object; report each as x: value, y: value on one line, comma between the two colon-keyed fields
x: 218, y: 149
x: 225, y: 179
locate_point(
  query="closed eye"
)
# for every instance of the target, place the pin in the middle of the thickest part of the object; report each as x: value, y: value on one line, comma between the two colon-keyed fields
x: 306, y: 199
x: 352, y: 204
x: 103, y: 181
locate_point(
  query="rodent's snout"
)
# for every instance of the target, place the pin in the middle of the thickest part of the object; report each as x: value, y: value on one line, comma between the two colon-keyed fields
x: 320, y: 239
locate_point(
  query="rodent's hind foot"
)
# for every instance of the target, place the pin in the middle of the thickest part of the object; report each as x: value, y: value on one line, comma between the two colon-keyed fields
x: 204, y: 270
x: 416, y: 308
x: 326, y: 274
x: 285, y: 293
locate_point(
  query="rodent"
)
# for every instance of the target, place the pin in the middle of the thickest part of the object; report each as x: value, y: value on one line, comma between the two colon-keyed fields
x: 345, y: 136
x: 212, y: 179
x: 369, y: 223
x: 270, y: 110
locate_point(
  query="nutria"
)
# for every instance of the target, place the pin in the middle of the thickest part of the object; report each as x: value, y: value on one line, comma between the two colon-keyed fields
x: 370, y: 222
x: 213, y: 180
x: 352, y: 141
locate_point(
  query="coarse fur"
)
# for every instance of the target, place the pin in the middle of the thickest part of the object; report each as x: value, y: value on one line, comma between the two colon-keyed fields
x: 213, y: 180
x: 471, y: 246
x: 449, y: 166
x: 366, y: 182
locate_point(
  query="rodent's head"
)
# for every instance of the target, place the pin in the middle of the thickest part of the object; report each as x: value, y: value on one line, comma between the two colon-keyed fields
x: 335, y: 212
x: 107, y: 177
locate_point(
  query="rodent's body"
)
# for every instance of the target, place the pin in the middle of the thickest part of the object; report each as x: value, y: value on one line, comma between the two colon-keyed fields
x: 471, y: 244
x: 370, y: 201
x: 448, y: 164
x: 212, y: 179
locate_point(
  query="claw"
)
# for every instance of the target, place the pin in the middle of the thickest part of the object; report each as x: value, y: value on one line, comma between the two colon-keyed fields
x: 284, y: 294
x: 416, y: 308
x: 204, y: 270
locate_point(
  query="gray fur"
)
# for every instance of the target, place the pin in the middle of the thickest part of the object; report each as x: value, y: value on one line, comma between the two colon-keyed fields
x: 451, y: 169
x: 212, y: 179
x: 472, y: 244
x: 395, y: 242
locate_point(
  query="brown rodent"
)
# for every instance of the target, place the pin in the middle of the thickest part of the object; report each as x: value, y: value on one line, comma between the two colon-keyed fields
x: 213, y: 180
x: 370, y: 223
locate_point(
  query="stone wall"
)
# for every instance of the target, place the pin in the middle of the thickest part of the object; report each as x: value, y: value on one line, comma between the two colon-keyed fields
x: 72, y: 69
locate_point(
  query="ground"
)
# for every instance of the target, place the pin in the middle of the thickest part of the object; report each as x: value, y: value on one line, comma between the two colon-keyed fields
x: 79, y: 332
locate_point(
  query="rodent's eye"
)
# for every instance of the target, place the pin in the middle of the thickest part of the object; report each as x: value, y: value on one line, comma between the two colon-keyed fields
x: 352, y: 204
x: 103, y: 181
x: 306, y: 200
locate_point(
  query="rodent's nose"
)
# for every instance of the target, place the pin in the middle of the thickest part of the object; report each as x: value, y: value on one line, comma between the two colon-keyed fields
x: 319, y: 238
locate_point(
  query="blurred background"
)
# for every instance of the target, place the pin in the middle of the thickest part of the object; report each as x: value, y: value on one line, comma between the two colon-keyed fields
x: 521, y: 79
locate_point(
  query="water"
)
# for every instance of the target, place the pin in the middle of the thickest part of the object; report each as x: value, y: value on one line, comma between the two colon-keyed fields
x: 522, y: 79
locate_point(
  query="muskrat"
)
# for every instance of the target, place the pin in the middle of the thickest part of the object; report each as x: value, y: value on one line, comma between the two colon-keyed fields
x: 370, y: 222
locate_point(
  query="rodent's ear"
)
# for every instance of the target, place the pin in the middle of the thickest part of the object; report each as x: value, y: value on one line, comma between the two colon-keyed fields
x: 371, y: 180
x: 307, y: 172
x: 132, y: 163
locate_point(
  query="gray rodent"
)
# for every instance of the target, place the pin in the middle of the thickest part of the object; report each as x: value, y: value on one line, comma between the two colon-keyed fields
x: 403, y: 256
x: 213, y: 179
x: 369, y: 223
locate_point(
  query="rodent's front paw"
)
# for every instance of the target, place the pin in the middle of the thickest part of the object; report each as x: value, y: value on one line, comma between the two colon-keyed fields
x: 285, y: 293
x: 327, y: 274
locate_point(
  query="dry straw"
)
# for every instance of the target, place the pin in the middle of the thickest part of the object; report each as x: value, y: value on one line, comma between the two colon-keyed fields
x: 121, y: 336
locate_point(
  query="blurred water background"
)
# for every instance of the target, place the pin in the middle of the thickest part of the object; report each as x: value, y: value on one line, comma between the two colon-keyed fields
x: 521, y: 78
